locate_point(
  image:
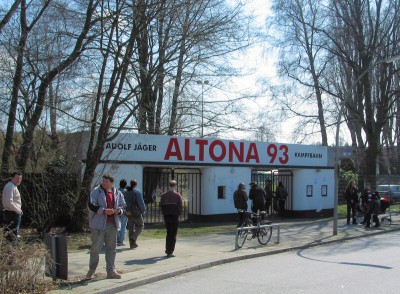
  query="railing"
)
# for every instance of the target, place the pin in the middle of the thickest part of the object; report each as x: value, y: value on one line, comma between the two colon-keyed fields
x: 238, y: 230
x: 153, y: 213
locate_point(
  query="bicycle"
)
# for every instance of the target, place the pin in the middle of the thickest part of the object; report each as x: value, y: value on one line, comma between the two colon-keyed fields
x: 248, y: 231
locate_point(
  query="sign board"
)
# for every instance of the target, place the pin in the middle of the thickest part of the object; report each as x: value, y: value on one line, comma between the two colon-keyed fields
x: 207, y: 151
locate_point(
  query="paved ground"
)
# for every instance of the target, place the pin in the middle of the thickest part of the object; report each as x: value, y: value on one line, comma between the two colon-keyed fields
x: 147, y: 263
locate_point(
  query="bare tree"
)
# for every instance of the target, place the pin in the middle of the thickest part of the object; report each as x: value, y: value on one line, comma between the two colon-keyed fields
x: 367, y: 27
x: 119, y: 30
x: 17, y: 80
x: 175, y: 49
x: 353, y: 39
x: 47, y: 77
x: 302, y: 58
x: 9, y: 14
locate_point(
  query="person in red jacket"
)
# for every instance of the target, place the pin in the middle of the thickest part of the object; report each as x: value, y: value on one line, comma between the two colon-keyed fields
x: 171, y: 207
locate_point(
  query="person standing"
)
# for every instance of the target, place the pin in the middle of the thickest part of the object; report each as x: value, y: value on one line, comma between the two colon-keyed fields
x: 257, y: 196
x: 351, y: 195
x: 373, y: 210
x: 240, y: 201
x: 135, y: 209
x: 366, y: 198
x: 171, y: 207
x: 371, y: 203
x: 12, y: 208
x: 268, y: 196
x: 106, y: 204
x: 124, y: 218
x: 281, y: 194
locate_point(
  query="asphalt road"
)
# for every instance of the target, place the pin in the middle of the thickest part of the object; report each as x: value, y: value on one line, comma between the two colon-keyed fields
x: 366, y: 265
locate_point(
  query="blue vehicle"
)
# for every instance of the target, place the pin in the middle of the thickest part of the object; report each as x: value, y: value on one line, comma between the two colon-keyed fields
x: 391, y: 192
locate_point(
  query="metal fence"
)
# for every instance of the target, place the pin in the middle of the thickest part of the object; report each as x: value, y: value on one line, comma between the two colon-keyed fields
x: 153, y: 213
x: 261, y: 177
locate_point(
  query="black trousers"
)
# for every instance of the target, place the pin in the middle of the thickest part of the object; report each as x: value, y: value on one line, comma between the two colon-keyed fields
x: 171, y: 224
x: 351, y: 212
x: 11, y: 222
x: 375, y: 219
x: 242, y: 215
x: 282, y: 208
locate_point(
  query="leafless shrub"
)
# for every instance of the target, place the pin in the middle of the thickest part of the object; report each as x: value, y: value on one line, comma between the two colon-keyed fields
x: 22, y: 268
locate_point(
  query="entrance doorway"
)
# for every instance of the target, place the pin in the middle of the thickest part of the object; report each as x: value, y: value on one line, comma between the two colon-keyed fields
x: 274, y: 176
x: 156, y: 180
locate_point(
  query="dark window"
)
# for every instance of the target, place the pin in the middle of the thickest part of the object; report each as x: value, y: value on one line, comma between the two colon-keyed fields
x: 221, y: 192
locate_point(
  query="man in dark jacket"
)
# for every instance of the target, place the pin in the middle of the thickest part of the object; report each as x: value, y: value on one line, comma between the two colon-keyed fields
x: 171, y: 207
x: 366, y: 198
x: 268, y: 196
x: 281, y: 194
x: 257, y: 196
x: 135, y: 208
x: 240, y: 200
x: 373, y: 205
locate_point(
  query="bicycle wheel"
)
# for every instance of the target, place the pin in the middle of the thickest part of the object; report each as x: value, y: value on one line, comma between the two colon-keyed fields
x: 264, y: 234
x: 243, y: 234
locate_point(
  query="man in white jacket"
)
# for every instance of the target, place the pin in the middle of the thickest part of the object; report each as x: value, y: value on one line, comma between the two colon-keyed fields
x: 12, y: 208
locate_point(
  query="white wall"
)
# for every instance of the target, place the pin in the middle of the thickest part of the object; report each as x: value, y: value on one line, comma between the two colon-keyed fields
x: 120, y: 171
x: 316, y: 178
x: 229, y: 177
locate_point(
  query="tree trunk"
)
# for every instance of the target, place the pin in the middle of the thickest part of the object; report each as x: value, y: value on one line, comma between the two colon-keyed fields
x: 178, y: 78
x: 5, y: 162
x: 9, y: 14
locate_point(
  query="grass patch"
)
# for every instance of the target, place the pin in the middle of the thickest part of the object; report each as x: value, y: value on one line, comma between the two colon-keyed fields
x: 81, y: 241
x: 342, y: 210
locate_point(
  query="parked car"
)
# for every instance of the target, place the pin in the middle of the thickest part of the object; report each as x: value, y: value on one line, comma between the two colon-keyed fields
x: 392, y: 192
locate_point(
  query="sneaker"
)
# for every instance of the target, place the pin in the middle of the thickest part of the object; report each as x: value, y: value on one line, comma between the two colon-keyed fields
x: 113, y: 275
x: 120, y: 244
x: 134, y: 245
x: 90, y: 273
x: 170, y: 255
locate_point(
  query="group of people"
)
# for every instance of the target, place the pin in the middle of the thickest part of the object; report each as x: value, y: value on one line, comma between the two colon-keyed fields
x: 261, y: 199
x: 112, y: 209
x: 133, y: 216
x: 369, y: 206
